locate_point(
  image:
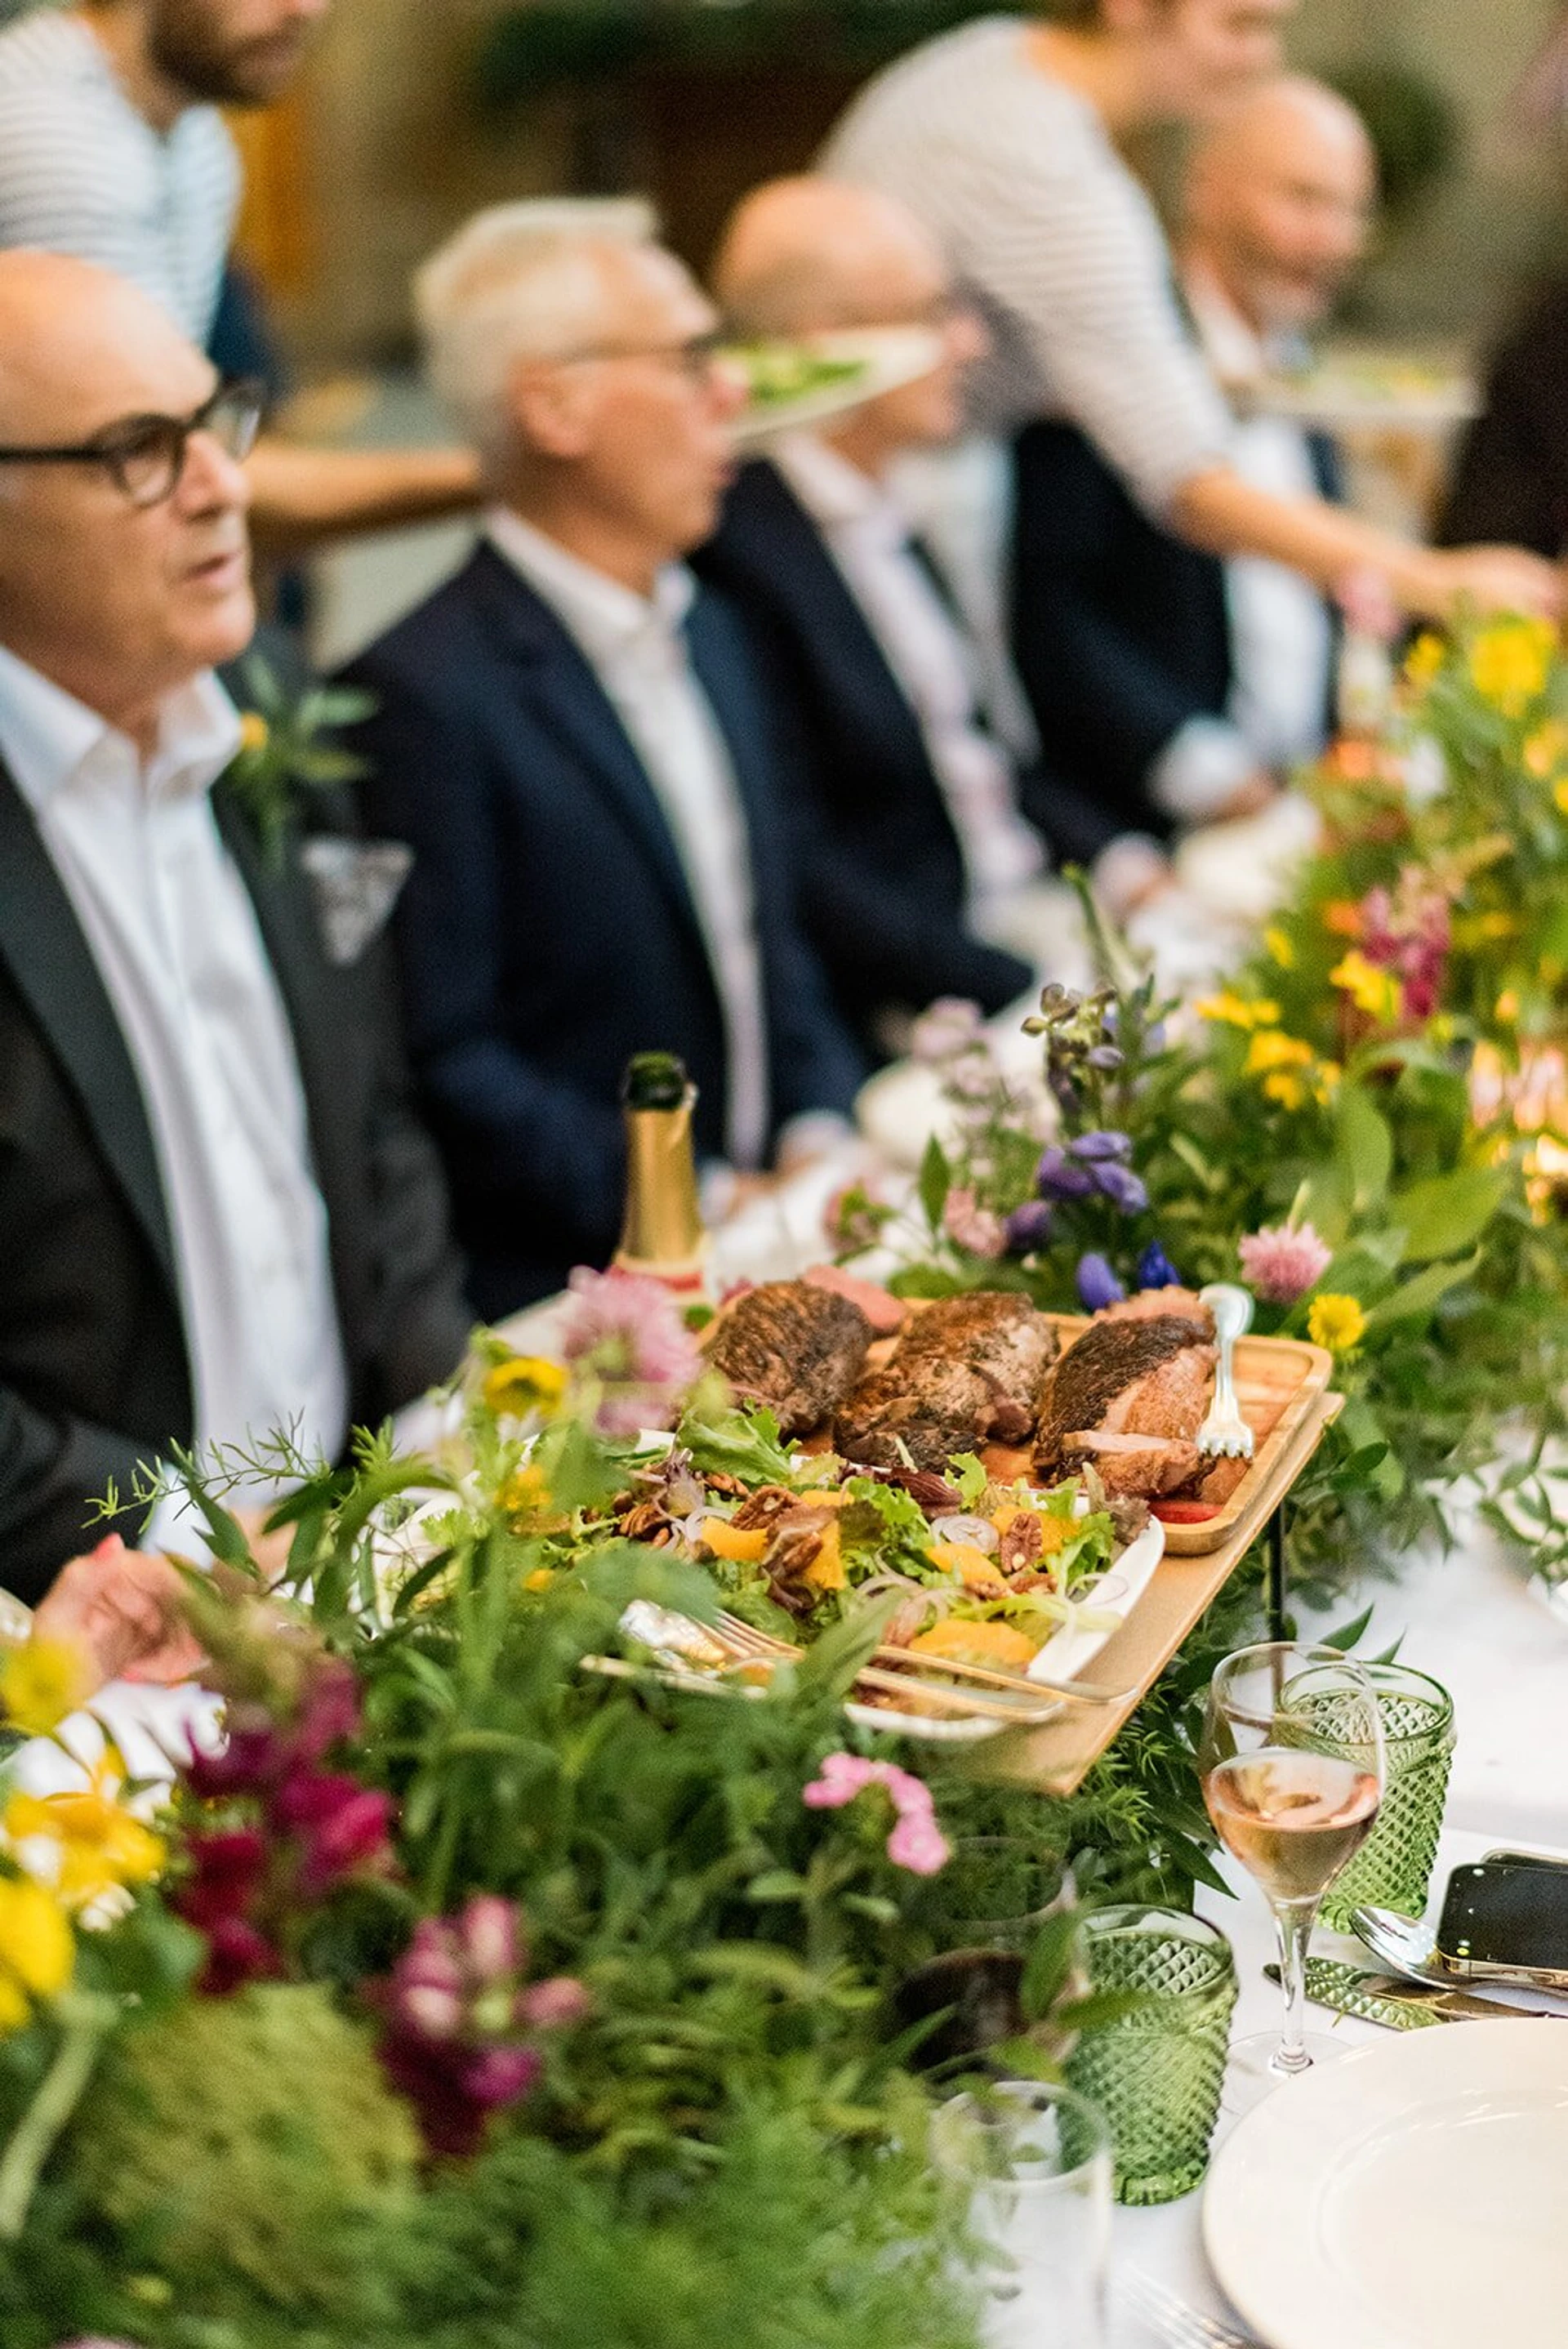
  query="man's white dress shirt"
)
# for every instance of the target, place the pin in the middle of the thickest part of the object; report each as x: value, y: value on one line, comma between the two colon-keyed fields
x: 1282, y: 639
x: 868, y: 536
x: 636, y: 647
x: 171, y: 925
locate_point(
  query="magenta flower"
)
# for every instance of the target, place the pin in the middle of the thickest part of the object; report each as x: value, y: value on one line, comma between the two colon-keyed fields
x: 973, y: 1227
x: 456, y: 2014
x: 625, y: 1338
x: 342, y: 1827
x: 916, y: 1843
x: 226, y: 1868
x: 1280, y: 1265
x: 237, y: 1954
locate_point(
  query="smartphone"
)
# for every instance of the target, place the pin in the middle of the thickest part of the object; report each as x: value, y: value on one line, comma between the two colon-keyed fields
x: 1529, y: 1859
x: 1507, y: 1915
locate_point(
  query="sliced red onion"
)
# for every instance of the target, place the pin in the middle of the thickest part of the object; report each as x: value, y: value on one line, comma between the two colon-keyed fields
x: 979, y: 1532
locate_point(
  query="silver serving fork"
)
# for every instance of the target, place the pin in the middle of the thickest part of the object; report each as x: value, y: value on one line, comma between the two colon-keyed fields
x: 1224, y: 1434
x: 911, y: 1668
x: 1179, y: 2325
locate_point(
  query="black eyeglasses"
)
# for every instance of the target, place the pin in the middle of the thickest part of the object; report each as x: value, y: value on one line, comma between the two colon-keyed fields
x: 146, y: 454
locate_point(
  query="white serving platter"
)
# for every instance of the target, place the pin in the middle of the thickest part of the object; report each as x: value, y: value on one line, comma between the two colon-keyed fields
x: 1410, y: 2196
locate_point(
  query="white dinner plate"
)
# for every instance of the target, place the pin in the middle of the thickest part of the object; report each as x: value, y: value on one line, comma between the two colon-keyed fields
x: 1411, y: 2196
x: 884, y: 358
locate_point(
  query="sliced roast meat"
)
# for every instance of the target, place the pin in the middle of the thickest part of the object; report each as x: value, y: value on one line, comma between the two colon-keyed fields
x: 966, y: 1370
x: 1133, y: 1466
x: 1128, y: 1377
x: 794, y: 1346
x: 1155, y: 1304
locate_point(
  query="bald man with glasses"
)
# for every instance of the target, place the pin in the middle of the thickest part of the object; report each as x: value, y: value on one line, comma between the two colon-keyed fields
x: 220, y: 1218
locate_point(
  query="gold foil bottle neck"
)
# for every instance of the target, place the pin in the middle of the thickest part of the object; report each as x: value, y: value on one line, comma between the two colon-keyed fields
x: 663, y: 1236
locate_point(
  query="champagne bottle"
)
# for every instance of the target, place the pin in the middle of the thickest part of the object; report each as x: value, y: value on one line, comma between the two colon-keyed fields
x: 663, y: 1234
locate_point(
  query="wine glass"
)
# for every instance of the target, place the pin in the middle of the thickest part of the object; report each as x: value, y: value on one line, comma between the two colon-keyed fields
x: 1292, y: 1765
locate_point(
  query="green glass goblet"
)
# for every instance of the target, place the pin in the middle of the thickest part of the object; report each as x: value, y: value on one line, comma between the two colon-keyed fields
x: 1393, y: 1869
x: 1156, y: 2072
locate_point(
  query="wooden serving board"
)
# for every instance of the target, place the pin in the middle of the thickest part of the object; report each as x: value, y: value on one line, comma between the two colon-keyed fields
x: 1278, y: 1381
x: 1057, y: 1758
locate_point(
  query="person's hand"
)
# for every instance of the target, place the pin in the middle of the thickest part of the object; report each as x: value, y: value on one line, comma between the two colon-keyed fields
x: 121, y: 1608
x: 1249, y: 798
x: 1492, y: 579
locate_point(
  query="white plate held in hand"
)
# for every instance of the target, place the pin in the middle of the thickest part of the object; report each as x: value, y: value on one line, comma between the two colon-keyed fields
x: 1413, y: 2195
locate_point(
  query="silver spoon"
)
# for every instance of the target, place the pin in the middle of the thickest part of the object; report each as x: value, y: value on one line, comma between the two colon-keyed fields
x: 1409, y: 1947
x: 1224, y: 1434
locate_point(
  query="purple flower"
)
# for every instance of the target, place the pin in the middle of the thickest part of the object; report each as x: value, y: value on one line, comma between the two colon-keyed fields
x: 1155, y: 1269
x: 1124, y: 1189
x: 625, y: 1337
x: 916, y: 1843
x: 973, y: 1227
x: 1106, y: 1057
x: 1097, y: 1286
x: 946, y: 1027
x: 1097, y: 1149
x: 1057, y: 1176
x: 1282, y: 1264
x: 1029, y: 1227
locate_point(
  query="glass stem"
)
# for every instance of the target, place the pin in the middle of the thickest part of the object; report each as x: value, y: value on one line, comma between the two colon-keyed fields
x: 1294, y: 1919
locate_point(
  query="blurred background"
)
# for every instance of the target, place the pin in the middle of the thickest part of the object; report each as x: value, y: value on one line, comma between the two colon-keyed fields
x: 414, y: 112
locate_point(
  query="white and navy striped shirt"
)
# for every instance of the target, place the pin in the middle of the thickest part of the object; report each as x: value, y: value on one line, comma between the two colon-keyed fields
x: 82, y: 172
x: 1058, y: 244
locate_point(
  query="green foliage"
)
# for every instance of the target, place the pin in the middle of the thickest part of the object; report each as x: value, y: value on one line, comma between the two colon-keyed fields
x: 247, y: 2146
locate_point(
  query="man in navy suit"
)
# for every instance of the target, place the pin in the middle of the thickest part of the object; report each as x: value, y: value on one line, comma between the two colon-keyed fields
x: 1171, y: 687
x: 923, y: 876
x: 571, y: 737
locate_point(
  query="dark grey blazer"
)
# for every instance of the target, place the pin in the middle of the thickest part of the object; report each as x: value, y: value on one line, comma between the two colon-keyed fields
x: 94, y: 1374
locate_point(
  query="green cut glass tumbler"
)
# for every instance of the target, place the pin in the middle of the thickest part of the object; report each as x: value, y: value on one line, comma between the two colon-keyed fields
x: 1156, y: 2072
x: 1393, y: 1869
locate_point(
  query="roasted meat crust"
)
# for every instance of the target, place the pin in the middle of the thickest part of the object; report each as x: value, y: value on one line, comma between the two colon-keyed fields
x: 966, y: 1369
x: 1167, y: 1359
x: 793, y: 1345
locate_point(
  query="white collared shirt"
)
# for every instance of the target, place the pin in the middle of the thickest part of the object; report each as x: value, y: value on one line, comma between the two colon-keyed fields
x: 1281, y: 636
x: 171, y: 925
x: 868, y: 536
x: 637, y: 649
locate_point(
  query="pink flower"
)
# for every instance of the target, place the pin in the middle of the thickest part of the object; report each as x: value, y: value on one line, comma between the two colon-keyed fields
x: 916, y: 1842
x: 555, y: 2004
x: 625, y: 1337
x: 343, y: 1827
x: 973, y: 1227
x: 946, y: 1028
x: 1281, y: 1264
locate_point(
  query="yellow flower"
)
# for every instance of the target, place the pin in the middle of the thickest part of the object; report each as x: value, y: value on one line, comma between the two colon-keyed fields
x: 1238, y: 1011
x: 1336, y: 1323
x: 1560, y: 793
x: 1270, y: 1048
x: 540, y: 1579
x: 1344, y: 916
x: 98, y: 1845
x: 255, y: 732
x: 1285, y: 1088
x: 1280, y: 947
x: 1481, y: 930
x: 528, y: 1383
x: 41, y: 1683
x: 1544, y: 752
x: 525, y: 1492
x: 1507, y: 1006
x: 1509, y: 663
x: 1424, y: 661
x: 38, y: 1952
x: 1372, y: 989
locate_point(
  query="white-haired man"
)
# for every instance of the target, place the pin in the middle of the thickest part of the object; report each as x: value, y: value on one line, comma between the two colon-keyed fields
x: 572, y: 738
x: 1181, y: 687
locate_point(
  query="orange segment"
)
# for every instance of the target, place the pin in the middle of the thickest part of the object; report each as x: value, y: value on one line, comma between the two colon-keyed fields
x: 744, y: 1544
x: 826, y: 1571
x: 997, y: 1644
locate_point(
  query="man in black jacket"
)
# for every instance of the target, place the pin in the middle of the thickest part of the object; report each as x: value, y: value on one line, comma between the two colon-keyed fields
x: 1172, y: 688
x: 921, y: 869
x: 571, y: 737
x: 220, y: 1218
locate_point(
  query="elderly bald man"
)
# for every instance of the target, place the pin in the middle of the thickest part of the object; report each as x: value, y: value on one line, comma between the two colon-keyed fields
x: 572, y: 739
x: 220, y: 1218
x: 922, y: 877
x: 1181, y: 689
